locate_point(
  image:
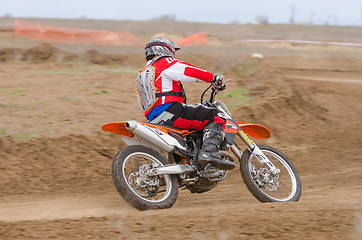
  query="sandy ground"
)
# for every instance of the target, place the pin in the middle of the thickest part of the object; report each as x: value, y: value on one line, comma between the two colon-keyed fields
x: 55, y: 163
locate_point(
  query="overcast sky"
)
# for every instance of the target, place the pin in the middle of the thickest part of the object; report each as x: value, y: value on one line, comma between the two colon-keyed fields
x: 336, y: 12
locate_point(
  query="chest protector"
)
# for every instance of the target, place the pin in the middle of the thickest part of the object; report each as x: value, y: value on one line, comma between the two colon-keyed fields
x: 146, y: 92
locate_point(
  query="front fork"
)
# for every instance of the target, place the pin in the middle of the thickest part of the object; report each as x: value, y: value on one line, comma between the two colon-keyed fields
x: 255, y: 150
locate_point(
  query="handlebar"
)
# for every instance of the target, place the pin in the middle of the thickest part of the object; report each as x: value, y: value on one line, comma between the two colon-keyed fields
x: 215, y: 90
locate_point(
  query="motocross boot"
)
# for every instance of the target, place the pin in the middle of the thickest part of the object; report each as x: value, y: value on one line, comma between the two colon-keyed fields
x: 212, y: 138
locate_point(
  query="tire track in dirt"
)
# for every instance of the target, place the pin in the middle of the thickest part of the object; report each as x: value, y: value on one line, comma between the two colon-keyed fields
x: 85, y: 206
x: 231, y: 220
x: 79, y: 206
x: 63, y: 207
x: 295, y: 77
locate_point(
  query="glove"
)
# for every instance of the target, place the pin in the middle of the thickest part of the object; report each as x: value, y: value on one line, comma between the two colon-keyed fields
x: 218, y: 79
x: 218, y: 82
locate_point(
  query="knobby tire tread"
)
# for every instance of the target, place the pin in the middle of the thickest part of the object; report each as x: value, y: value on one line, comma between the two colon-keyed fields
x: 251, y: 185
x: 127, y: 194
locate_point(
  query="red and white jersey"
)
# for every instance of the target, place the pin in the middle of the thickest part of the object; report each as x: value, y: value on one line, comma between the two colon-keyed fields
x: 168, y: 74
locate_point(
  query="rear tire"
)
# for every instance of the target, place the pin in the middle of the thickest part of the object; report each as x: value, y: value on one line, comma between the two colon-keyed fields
x: 138, y: 189
x: 284, y: 188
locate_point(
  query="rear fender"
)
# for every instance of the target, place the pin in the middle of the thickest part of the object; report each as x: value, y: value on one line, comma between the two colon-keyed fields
x: 255, y: 130
x: 117, y: 127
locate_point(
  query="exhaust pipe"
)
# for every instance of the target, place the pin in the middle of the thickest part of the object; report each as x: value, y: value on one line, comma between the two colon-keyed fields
x: 153, y: 137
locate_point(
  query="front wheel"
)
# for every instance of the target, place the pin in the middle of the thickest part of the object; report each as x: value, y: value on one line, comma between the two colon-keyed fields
x: 129, y: 171
x: 266, y: 187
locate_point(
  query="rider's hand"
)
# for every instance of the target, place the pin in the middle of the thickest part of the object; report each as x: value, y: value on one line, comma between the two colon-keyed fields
x: 218, y: 82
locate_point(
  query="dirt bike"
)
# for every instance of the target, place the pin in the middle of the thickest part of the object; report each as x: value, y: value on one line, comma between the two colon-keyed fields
x: 159, y: 159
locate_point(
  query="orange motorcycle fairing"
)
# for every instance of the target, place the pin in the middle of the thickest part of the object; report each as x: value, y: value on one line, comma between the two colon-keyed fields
x: 253, y: 130
x: 120, y: 128
x: 165, y: 129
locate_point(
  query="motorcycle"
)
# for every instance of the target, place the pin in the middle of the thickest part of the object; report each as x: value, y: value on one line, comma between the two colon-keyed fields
x: 159, y: 159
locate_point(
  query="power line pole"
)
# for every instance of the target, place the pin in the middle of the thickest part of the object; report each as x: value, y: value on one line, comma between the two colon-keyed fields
x: 292, y: 15
x: 311, y: 19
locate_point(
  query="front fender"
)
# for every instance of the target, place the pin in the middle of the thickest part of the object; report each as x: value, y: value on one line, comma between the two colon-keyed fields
x: 255, y: 130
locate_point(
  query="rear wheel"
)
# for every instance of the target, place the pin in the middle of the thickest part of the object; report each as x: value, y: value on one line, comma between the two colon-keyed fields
x: 266, y: 187
x: 129, y: 172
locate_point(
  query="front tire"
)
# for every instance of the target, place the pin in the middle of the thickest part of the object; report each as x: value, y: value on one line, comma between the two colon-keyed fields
x: 284, y: 187
x: 143, y: 192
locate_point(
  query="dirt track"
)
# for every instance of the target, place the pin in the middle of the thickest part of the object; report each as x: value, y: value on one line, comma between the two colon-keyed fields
x: 55, y: 162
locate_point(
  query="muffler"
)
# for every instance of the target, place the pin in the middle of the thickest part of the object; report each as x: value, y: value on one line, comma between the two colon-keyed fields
x: 154, y: 136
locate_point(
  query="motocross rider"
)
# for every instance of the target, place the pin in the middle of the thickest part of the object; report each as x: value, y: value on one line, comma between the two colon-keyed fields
x: 163, y: 99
